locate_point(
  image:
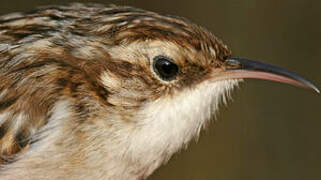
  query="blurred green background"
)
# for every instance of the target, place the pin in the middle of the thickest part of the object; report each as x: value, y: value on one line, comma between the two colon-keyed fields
x: 270, y: 131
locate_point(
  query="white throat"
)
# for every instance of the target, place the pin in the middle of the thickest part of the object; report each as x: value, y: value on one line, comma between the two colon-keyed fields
x: 171, y: 122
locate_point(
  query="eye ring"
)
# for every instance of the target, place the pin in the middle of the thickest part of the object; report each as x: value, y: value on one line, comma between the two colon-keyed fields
x: 165, y: 68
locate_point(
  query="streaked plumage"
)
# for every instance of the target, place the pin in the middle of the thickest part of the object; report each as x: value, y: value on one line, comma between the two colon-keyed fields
x: 75, y: 81
x: 80, y: 97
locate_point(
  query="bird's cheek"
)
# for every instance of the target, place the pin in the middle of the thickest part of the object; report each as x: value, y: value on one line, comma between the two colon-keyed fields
x: 175, y: 119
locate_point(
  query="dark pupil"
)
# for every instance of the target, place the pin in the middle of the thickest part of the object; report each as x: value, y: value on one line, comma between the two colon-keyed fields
x: 165, y: 68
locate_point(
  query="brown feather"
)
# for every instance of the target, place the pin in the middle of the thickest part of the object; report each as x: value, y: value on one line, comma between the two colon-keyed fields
x: 61, y: 52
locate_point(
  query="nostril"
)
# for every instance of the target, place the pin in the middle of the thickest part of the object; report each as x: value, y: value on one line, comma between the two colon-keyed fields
x: 232, y: 62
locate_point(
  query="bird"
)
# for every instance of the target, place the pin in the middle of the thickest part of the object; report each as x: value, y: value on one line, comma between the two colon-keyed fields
x: 91, y: 91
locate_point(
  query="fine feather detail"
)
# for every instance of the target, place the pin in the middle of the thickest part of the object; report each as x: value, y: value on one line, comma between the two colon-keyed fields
x: 79, y: 98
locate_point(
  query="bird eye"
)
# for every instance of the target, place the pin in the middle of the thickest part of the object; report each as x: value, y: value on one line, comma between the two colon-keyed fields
x: 165, y: 68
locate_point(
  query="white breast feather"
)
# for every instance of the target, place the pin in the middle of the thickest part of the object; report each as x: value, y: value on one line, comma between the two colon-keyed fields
x: 171, y: 122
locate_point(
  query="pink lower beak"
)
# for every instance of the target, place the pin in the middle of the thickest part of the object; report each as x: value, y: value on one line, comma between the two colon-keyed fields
x: 244, y: 68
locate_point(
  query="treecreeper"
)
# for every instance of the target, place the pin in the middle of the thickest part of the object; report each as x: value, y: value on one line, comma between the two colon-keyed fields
x: 89, y: 91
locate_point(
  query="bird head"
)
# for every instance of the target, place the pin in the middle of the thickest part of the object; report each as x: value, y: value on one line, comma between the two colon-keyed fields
x: 174, y: 74
x: 113, y: 87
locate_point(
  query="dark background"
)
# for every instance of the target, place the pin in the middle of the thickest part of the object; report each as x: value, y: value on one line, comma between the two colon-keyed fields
x: 270, y: 131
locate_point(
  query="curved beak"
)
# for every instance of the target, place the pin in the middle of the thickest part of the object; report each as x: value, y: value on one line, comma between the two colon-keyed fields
x: 239, y: 68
